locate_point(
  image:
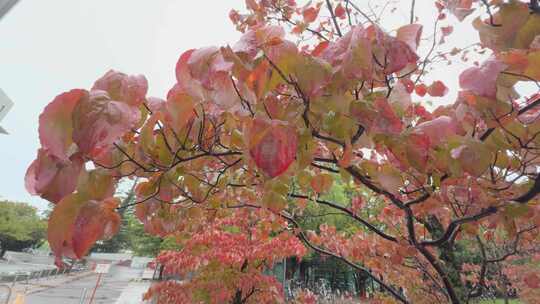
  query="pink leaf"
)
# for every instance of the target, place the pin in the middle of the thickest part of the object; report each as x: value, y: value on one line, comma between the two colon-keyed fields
x: 56, y: 125
x: 253, y: 40
x: 410, y: 34
x: 447, y: 30
x: 399, y: 55
x: 206, y: 74
x: 482, y: 80
x: 121, y: 87
x: 438, y: 129
x: 351, y: 54
x: 52, y: 178
x: 98, y: 122
x: 418, y: 146
x: 387, y: 120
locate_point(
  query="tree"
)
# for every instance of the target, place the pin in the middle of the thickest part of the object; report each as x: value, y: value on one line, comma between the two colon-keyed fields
x: 251, y: 135
x: 131, y: 234
x: 139, y: 241
x: 20, y: 227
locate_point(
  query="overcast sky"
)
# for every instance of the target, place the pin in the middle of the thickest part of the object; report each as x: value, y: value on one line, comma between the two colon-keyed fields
x: 48, y: 47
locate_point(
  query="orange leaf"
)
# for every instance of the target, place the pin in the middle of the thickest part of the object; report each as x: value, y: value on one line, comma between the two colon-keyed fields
x: 346, y: 159
x: 321, y: 182
x: 437, y: 89
x: 76, y: 223
x: 310, y: 14
x: 320, y: 48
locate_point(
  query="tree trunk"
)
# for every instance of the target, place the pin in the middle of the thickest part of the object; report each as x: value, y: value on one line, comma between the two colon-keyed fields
x: 237, y: 297
x: 447, y: 254
x: 3, y: 252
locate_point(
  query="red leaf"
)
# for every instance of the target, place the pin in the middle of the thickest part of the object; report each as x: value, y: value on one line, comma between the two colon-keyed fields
x: 447, y: 30
x: 95, y: 220
x: 356, y: 204
x: 422, y: 112
x: 60, y: 227
x: 76, y: 223
x: 408, y: 84
x: 420, y: 90
x: 387, y: 120
x: 340, y: 11
x: 437, y: 89
x: 396, y: 259
x: 56, y: 125
x: 532, y: 280
x: 418, y: 150
x: 272, y: 146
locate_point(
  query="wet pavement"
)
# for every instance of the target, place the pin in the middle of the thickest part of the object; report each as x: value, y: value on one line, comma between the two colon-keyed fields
x: 110, y: 288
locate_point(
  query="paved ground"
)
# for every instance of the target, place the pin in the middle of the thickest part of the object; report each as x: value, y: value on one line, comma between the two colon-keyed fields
x: 20, y: 262
x: 132, y: 293
x: 112, y: 286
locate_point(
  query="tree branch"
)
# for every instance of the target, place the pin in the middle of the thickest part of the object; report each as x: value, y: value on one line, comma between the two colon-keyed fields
x: 413, y: 3
x: 455, y: 224
x: 351, y: 214
x: 379, y: 281
x: 336, y: 25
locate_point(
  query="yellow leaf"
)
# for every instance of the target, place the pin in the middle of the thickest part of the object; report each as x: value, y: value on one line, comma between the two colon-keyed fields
x: 274, y: 201
x: 533, y: 68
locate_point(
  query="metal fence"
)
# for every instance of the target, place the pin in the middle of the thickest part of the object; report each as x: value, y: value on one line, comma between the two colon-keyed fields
x: 37, y: 274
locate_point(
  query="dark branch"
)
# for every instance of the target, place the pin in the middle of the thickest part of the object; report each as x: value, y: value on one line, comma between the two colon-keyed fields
x: 336, y: 25
x: 351, y: 214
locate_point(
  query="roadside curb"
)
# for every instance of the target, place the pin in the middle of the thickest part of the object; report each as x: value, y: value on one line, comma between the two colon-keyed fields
x: 42, y: 286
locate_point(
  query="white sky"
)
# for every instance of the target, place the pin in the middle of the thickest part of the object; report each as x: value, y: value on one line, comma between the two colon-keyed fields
x: 48, y: 47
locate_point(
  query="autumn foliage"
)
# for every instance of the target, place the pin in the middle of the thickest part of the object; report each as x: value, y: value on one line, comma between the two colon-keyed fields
x: 252, y: 133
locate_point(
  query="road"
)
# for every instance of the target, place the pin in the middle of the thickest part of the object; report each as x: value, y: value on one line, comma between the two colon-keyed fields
x: 109, y: 289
